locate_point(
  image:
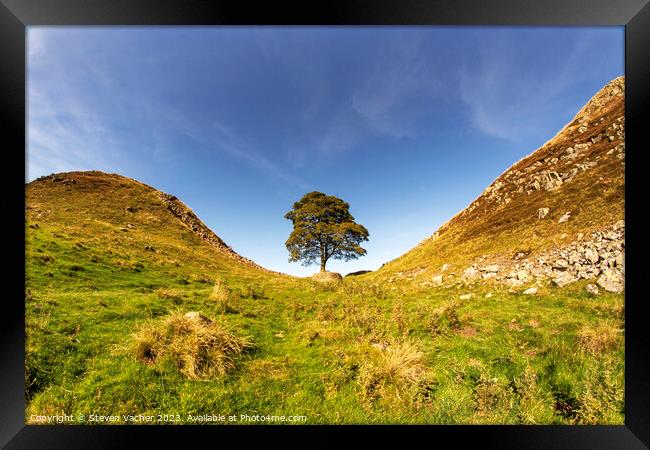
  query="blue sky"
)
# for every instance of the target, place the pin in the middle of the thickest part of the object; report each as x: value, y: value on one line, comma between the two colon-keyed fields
x: 407, y: 124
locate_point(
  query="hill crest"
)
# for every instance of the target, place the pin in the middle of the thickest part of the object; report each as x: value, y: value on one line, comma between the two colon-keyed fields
x: 134, y: 206
x: 571, y: 187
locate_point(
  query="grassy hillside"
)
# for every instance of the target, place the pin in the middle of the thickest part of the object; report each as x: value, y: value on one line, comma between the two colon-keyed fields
x: 581, y: 170
x: 114, y: 267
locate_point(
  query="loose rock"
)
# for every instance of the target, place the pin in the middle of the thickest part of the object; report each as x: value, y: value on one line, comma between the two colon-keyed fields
x: 542, y: 212
x: 564, y: 279
x: 194, y: 315
x: 611, y: 280
x: 471, y: 273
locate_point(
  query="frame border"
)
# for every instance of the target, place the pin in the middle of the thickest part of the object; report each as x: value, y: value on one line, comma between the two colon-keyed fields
x: 17, y: 15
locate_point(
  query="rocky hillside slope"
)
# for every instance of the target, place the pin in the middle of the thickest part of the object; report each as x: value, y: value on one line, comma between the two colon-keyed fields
x: 96, y: 213
x: 556, y: 214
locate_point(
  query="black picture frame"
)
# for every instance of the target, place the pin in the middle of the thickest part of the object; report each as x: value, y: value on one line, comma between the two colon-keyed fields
x: 16, y: 15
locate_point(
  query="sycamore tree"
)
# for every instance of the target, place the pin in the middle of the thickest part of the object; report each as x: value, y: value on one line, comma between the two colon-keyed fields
x: 323, y: 228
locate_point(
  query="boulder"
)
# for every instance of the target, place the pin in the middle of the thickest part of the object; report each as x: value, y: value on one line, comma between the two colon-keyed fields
x: 564, y: 279
x: 611, y: 280
x: 591, y: 255
x: 327, y: 277
x: 592, y: 289
x: 531, y: 291
x: 547, y: 179
x: 620, y: 260
x: 561, y: 264
x: 565, y: 217
x: 542, y: 212
x: 466, y: 296
x: 437, y: 280
x: 539, y: 272
x: 513, y: 282
x: 471, y: 273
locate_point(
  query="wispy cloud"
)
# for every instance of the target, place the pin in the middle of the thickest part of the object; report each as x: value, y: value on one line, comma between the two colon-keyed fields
x: 69, y: 130
x: 345, y: 130
x: 389, y: 102
x: 402, y: 74
x: 65, y: 131
x: 213, y: 135
x: 64, y: 134
x: 509, y: 94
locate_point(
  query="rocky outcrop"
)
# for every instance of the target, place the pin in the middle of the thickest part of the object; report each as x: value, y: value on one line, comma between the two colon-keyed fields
x: 551, y: 217
x: 191, y: 221
x: 596, y: 134
x: 601, y: 256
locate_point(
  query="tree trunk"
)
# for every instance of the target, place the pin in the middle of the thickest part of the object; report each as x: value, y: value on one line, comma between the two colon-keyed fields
x: 323, y: 259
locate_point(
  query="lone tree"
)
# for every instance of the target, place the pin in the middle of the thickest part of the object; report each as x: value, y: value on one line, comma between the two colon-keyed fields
x: 323, y: 228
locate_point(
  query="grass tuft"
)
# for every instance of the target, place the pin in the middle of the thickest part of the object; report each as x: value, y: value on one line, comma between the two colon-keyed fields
x: 396, y: 371
x: 222, y: 296
x: 599, y: 339
x: 199, y: 347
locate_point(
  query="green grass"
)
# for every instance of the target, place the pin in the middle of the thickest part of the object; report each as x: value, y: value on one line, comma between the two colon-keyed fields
x: 356, y: 352
x: 506, y: 359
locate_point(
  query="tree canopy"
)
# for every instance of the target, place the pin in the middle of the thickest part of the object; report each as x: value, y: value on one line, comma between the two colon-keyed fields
x: 323, y: 228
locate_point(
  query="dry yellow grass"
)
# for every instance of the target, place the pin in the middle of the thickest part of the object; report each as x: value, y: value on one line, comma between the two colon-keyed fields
x: 199, y: 347
x: 399, y: 366
x: 220, y: 291
x: 600, y: 338
x: 402, y: 362
x: 221, y: 296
